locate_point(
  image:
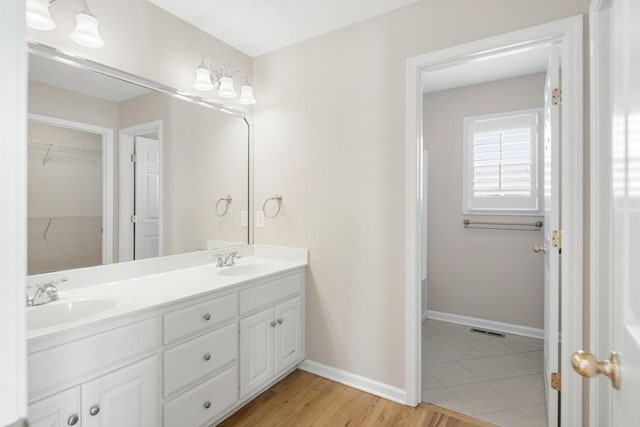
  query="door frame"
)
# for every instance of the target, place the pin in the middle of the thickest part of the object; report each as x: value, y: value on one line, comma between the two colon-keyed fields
x: 600, y: 298
x: 126, y: 142
x: 13, y: 217
x: 567, y: 33
x: 106, y: 135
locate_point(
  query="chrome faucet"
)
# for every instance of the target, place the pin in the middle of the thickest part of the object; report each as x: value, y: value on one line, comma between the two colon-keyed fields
x: 227, y: 260
x: 45, y: 293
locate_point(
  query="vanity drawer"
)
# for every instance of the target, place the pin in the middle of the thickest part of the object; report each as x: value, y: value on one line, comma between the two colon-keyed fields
x: 188, y: 320
x: 189, y: 409
x: 199, y: 357
x: 69, y: 363
x: 275, y: 290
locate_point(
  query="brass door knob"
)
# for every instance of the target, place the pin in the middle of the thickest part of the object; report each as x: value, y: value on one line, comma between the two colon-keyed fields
x: 539, y: 249
x: 587, y: 365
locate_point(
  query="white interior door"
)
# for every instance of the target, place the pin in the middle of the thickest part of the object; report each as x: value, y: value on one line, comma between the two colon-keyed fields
x: 625, y: 191
x: 147, y: 198
x: 551, y: 223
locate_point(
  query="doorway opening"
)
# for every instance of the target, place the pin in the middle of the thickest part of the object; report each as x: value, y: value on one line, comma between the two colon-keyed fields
x: 69, y: 159
x: 465, y: 252
x: 483, y: 311
x: 141, y: 191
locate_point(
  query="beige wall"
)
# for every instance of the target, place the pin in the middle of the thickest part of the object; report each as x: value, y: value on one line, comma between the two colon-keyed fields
x: 69, y: 105
x: 486, y: 274
x: 67, y: 190
x: 144, y: 40
x: 205, y: 157
x: 330, y: 134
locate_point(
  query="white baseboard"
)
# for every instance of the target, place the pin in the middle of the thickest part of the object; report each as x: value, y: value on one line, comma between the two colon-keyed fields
x: 506, y: 328
x: 425, y: 316
x: 367, y: 385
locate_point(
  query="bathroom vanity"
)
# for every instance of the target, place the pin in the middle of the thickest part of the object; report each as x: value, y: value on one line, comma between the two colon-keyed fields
x: 186, y: 347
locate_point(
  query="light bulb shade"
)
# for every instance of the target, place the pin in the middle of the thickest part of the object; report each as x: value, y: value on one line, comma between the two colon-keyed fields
x: 86, y: 32
x: 37, y: 15
x: 203, y: 79
x: 226, y: 89
x: 246, y: 95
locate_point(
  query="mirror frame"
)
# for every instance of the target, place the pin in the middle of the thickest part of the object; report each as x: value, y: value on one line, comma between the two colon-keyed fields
x: 57, y: 55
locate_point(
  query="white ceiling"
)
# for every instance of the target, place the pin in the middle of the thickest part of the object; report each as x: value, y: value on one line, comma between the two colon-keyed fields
x: 483, y: 70
x: 257, y: 27
x: 78, y: 80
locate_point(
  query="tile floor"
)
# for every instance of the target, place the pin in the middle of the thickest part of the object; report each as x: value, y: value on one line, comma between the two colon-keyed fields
x: 498, y: 380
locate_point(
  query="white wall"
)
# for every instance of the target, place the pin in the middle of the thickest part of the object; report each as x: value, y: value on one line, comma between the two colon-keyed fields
x: 486, y: 274
x: 330, y: 130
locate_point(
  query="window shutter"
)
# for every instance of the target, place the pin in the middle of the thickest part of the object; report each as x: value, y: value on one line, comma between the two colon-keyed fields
x: 502, y: 162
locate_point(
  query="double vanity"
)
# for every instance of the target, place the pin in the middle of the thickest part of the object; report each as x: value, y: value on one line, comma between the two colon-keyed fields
x: 185, y: 346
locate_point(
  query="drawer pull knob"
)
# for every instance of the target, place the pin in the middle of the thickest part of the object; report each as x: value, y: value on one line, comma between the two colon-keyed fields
x: 280, y: 321
x: 207, y: 405
x: 206, y: 316
x: 94, y: 410
x: 207, y: 357
x: 73, y: 420
x: 273, y: 324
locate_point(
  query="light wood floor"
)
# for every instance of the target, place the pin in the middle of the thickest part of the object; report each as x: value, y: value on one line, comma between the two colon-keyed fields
x: 304, y: 399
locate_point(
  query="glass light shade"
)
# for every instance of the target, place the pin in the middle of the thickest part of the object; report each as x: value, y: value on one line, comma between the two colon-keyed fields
x: 37, y: 15
x: 246, y: 95
x: 203, y: 79
x: 226, y: 89
x: 86, y: 32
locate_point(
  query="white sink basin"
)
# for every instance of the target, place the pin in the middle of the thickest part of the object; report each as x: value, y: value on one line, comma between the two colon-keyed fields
x: 60, y: 312
x: 244, y: 270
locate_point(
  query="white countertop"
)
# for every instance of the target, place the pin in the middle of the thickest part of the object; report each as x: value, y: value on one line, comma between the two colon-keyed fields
x: 152, y: 291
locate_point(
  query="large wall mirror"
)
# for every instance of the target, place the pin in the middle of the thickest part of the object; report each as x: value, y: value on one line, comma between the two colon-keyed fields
x: 121, y: 169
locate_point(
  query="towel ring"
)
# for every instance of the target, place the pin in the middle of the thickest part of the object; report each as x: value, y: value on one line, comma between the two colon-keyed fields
x: 277, y: 198
x: 227, y: 201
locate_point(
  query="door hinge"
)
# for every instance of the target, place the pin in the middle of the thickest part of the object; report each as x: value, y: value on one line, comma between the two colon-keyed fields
x: 134, y: 157
x: 556, y: 239
x: 134, y: 219
x: 556, y: 381
x: 556, y: 96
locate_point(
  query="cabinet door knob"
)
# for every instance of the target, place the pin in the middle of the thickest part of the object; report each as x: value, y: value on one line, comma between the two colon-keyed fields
x: 207, y: 316
x: 207, y: 405
x: 207, y: 357
x: 72, y: 420
x: 280, y: 321
x: 94, y: 410
x: 273, y: 324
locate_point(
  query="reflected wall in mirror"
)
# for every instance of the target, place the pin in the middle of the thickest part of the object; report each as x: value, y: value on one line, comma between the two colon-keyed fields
x: 120, y: 172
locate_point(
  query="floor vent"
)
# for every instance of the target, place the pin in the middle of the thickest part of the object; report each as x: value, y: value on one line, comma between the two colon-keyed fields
x: 485, y: 332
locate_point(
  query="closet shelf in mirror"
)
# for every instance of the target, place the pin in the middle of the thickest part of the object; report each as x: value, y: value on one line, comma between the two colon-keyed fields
x: 48, y: 220
x: 62, y: 148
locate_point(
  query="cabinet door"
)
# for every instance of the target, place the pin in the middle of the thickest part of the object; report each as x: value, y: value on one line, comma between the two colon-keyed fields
x: 127, y: 397
x: 256, y: 350
x: 62, y: 409
x: 288, y: 334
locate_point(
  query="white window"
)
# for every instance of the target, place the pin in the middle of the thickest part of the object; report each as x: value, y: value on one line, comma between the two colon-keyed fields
x: 502, y: 170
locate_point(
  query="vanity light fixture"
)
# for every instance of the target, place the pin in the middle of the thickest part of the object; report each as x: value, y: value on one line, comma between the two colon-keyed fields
x: 86, y: 31
x: 208, y: 78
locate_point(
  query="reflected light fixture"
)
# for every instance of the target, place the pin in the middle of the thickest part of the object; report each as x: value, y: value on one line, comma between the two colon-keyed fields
x: 208, y: 78
x: 86, y: 30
